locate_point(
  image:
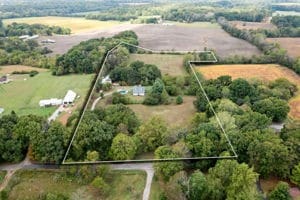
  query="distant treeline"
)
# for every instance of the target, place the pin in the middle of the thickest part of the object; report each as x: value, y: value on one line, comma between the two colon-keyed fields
x: 251, y: 16
x: 272, y: 53
x: 18, y: 29
x: 286, y: 7
x: 52, y: 8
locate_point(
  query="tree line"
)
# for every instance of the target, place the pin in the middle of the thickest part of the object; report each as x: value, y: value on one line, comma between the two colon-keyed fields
x: 87, y: 56
x: 18, y: 29
x: 45, y: 142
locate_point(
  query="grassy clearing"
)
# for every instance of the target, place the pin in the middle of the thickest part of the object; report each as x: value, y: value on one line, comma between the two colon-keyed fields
x: 76, y: 24
x: 173, y: 114
x: 156, y: 189
x: 8, y: 69
x: 2, y: 176
x: 31, y: 184
x: 266, y: 72
x: 127, y: 185
x: 24, y: 93
x: 168, y: 64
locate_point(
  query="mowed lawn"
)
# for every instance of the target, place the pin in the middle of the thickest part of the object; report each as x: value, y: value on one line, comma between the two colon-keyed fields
x: 76, y: 24
x: 24, y: 93
x: 31, y: 184
x: 267, y: 72
x: 168, y: 64
x: 173, y: 114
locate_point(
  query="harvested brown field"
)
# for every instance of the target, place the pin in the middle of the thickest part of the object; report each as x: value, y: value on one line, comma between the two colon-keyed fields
x: 173, y: 114
x: 181, y: 38
x: 168, y: 64
x: 267, y: 72
x: 8, y: 69
x: 163, y: 37
x: 252, y: 25
x: 292, y: 45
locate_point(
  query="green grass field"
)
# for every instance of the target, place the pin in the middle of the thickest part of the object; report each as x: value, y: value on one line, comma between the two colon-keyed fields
x: 24, y: 93
x: 168, y: 64
x: 127, y: 185
x: 197, y: 24
x: 2, y: 175
x: 31, y: 184
x: 76, y: 24
x: 286, y: 13
x: 156, y: 189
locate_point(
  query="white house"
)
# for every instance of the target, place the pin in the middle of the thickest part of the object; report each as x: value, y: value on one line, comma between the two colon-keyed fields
x: 50, y: 102
x: 138, y: 91
x: 106, y: 79
x: 69, y: 98
x: 48, y: 41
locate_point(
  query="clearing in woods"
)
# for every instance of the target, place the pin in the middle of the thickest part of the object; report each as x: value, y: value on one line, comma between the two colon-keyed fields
x: 168, y: 64
x: 41, y: 182
x: 292, y: 45
x: 76, y: 24
x: 267, y: 72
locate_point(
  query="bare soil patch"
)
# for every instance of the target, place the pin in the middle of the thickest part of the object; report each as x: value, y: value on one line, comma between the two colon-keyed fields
x: 292, y: 45
x: 173, y: 114
x: 267, y: 72
x: 8, y: 69
x: 181, y: 38
x: 252, y: 25
x: 168, y: 64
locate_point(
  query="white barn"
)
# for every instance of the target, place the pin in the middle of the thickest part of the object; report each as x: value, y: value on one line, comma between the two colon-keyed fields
x: 70, y: 97
x: 50, y: 102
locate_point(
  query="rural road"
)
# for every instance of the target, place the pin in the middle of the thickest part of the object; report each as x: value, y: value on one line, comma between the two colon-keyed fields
x: 147, y: 167
x: 98, y: 99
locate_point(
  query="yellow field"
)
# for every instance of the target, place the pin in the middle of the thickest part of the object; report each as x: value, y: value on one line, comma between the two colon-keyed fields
x: 76, y: 24
x: 267, y: 72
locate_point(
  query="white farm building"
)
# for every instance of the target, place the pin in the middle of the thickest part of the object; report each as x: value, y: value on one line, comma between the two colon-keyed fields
x: 50, y: 102
x: 70, y: 97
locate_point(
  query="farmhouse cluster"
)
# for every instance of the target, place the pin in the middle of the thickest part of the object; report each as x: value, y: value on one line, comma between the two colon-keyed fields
x: 67, y: 100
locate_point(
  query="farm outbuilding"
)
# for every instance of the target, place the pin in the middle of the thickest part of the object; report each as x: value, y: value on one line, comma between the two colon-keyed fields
x: 4, y: 80
x: 106, y: 79
x: 138, y: 90
x: 50, y: 102
x: 69, y: 98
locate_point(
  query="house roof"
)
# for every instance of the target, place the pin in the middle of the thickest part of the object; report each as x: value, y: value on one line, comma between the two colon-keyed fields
x: 138, y: 89
x: 70, y: 96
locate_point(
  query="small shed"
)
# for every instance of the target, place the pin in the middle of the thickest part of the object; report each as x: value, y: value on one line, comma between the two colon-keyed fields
x: 1, y: 110
x: 106, y: 79
x: 138, y: 90
x: 50, y: 102
x: 4, y: 80
x: 69, y: 98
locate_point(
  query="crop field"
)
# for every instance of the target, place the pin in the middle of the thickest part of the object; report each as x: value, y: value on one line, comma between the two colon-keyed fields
x: 265, y: 72
x: 168, y: 64
x: 76, y: 24
x: 292, y: 45
x: 286, y: 13
x: 173, y: 114
x: 129, y: 184
x: 185, y: 38
x: 252, y: 25
x: 24, y: 93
